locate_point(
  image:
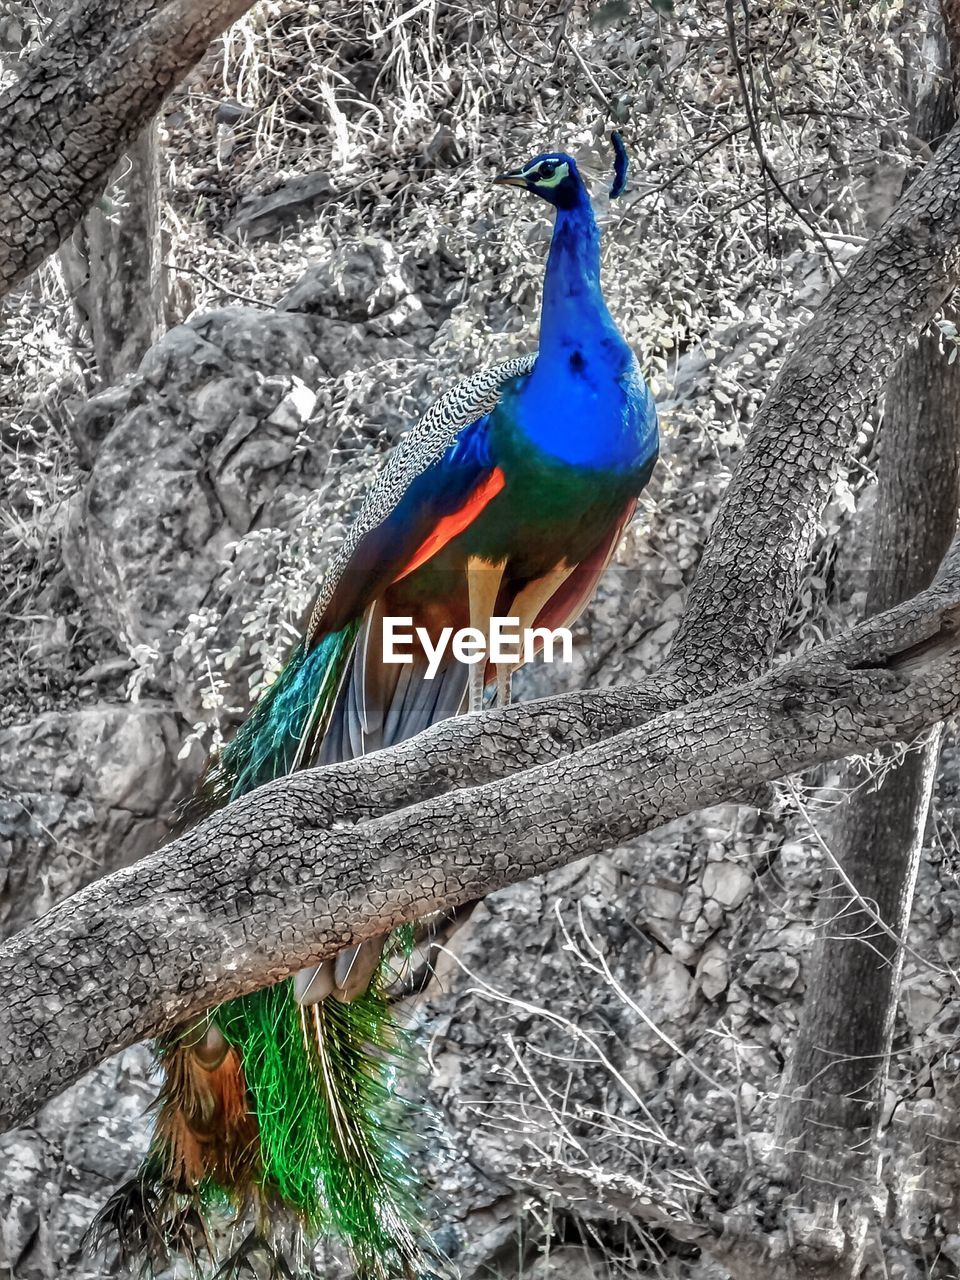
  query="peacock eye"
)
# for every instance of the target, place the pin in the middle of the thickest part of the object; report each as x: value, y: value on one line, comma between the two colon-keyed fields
x: 547, y: 169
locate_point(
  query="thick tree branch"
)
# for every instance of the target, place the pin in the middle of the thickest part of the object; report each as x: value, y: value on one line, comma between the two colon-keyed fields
x: 140, y: 951
x: 832, y: 1094
x: 112, y: 263
x: 82, y: 98
x: 762, y: 537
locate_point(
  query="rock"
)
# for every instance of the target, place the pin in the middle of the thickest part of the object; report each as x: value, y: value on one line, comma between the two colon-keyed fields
x: 749, y: 1097
x: 19, y: 1201
x: 683, y: 951
x: 261, y: 216
x: 106, y: 671
x: 660, y: 908
x: 295, y: 409
x: 118, y: 756
x: 226, y: 431
x: 727, y: 883
x: 568, y: 1262
x: 230, y: 112
x: 15, y: 32
x: 920, y: 1004
x: 692, y: 905
x: 670, y: 988
x: 712, y: 916
x: 713, y: 972
x: 356, y: 282
x: 56, y: 1172
x: 406, y: 318
x: 185, y: 471
x: 477, y: 1233
x: 84, y: 792
x: 773, y: 974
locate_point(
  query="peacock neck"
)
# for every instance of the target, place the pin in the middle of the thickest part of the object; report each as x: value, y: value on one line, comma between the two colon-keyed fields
x: 585, y: 403
x: 572, y: 299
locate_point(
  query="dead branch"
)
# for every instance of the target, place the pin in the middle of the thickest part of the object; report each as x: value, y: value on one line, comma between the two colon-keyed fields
x: 82, y: 98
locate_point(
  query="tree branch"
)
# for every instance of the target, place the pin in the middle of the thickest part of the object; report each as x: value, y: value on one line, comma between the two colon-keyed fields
x: 83, y: 96
x: 264, y: 887
x: 831, y: 1097
x: 765, y: 528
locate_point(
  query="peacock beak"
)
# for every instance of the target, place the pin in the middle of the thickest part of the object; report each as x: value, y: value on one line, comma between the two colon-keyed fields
x: 515, y: 179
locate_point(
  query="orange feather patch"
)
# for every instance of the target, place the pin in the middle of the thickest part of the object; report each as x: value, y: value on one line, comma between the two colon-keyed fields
x: 448, y: 527
x: 205, y: 1127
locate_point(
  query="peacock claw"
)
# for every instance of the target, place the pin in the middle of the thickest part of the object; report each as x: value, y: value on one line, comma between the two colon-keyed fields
x: 144, y: 1221
x: 312, y: 985
x: 354, y: 968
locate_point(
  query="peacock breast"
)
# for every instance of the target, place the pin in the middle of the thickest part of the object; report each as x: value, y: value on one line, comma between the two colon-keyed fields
x: 588, y: 409
x: 551, y: 510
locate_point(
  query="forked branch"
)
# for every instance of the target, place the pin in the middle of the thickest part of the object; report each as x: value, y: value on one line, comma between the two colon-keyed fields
x: 267, y: 886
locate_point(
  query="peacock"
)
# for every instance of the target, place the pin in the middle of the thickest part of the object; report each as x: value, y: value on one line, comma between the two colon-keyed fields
x: 507, y: 499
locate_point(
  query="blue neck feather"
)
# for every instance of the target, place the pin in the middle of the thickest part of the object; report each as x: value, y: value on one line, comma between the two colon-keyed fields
x: 584, y: 367
x: 572, y: 299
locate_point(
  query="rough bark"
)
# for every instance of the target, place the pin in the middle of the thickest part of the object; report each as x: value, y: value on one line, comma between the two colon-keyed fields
x: 112, y: 263
x: 752, y: 565
x: 837, y: 1071
x: 82, y: 97
x: 266, y: 886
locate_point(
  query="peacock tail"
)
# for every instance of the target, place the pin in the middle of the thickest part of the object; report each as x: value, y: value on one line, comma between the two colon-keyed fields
x: 321, y: 1079
x: 333, y: 1132
x: 291, y: 1109
x: 287, y: 722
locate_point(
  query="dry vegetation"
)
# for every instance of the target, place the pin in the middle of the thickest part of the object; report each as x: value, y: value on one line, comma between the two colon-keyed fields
x: 763, y: 155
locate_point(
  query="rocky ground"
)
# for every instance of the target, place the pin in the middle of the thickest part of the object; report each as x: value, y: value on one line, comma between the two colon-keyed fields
x: 617, y: 1029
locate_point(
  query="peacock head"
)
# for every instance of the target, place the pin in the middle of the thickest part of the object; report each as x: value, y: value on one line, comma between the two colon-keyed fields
x: 553, y: 175
x: 556, y: 178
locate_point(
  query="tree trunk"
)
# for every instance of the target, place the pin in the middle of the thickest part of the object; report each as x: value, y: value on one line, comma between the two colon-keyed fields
x: 112, y: 263
x: 82, y: 97
x: 837, y: 1072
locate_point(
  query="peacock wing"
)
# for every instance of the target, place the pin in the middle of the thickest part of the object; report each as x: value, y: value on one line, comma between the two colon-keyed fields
x: 437, y: 480
x: 575, y: 592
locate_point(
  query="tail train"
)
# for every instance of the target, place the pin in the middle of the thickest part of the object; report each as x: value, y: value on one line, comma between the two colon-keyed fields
x: 270, y: 1105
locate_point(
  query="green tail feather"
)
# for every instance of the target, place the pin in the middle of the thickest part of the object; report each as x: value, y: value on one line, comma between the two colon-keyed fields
x: 334, y: 1139
x: 289, y: 719
x: 334, y: 1145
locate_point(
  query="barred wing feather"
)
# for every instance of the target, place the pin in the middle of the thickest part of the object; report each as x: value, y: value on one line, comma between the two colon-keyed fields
x: 420, y: 448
